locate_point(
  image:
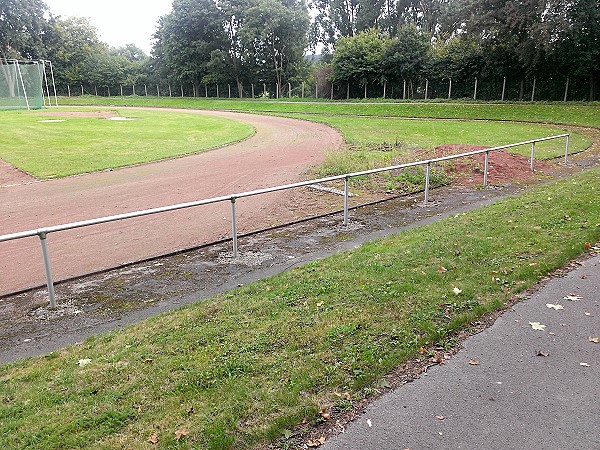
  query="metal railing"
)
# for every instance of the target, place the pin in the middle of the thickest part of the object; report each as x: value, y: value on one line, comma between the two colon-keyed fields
x: 43, y: 232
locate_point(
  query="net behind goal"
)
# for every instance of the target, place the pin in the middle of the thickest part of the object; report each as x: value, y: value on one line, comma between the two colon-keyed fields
x: 21, y: 84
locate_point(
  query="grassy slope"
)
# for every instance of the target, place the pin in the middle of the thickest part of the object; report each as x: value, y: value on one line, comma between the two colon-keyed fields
x: 153, y: 135
x: 408, y: 133
x: 243, y: 367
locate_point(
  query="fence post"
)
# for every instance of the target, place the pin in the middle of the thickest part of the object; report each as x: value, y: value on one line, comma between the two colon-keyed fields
x: 450, y: 89
x: 384, y: 88
x: 485, y: 169
x: 181, y: 86
x: 426, y: 88
x: 427, y: 173
x: 532, y: 156
x: 146, y: 90
x: 533, y: 90
x: 228, y: 91
x: 170, y: 91
x: 157, y: 91
x: 289, y: 90
x: 346, y: 201
x: 49, y: 282
x: 217, y: 91
x: 403, y: 89
x: 234, y: 228
x: 331, y: 91
x: 566, y: 90
x: 567, y: 149
x: 252, y: 89
x: 503, y: 88
x: 69, y: 89
x: 475, y: 91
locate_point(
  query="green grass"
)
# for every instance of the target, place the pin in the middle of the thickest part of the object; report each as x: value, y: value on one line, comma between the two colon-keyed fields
x: 406, y: 134
x: 88, y: 144
x: 245, y: 367
x: 583, y: 114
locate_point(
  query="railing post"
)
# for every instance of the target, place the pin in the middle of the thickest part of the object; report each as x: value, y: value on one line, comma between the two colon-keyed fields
x: 234, y: 228
x: 49, y: 282
x: 531, y: 164
x: 427, y: 173
x: 346, y: 201
x: 567, y: 149
x: 485, y: 169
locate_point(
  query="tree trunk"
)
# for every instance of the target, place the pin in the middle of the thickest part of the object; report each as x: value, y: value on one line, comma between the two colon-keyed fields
x: 240, y: 87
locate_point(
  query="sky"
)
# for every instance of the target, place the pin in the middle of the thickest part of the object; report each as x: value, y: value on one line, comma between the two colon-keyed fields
x: 118, y: 22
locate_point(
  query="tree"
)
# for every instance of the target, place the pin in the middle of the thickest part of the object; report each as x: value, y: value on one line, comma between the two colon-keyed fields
x: 22, y: 27
x: 406, y: 55
x: 275, y: 35
x: 360, y: 59
x: 186, y: 38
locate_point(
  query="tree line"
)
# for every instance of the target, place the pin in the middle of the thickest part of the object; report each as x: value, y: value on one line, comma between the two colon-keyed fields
x: 400, y: 48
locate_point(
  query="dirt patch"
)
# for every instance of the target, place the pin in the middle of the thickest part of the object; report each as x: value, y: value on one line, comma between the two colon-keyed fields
x: 96, y: 114
x: 503, y: 167
x: 10, y: 175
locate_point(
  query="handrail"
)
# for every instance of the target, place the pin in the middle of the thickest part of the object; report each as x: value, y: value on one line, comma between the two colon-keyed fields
x: 42, y: 232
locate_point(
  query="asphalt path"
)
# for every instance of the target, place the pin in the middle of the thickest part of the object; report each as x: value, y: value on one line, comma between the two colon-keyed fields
x: 510, y: 387
x: 280, y: 152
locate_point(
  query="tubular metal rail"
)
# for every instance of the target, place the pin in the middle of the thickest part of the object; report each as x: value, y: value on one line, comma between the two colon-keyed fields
x: 43, y: 232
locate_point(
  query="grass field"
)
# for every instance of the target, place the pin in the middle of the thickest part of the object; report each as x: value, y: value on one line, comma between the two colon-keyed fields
x: 580, y: 114
x: 248, y: 366
x: 87, y: 144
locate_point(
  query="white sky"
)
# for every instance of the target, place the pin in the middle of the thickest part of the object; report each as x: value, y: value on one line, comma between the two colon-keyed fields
x: 118, y: 22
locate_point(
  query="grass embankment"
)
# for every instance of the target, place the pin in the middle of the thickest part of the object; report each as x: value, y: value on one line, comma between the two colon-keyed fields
x: 247, y: 366
x: 581, y: 114
x: 87, y: 144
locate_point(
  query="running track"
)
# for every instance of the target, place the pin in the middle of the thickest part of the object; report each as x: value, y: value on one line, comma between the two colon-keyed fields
x: 280, y: 152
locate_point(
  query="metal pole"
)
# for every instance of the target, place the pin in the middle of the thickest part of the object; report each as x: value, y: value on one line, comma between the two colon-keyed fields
x: 404, y: 89
x: 532, y: 156
x: 450, y: 89
x: 228, y: 91
x: 566, y: 90
x: 46, y: 81
x: 22, y: 84
x: 53, y: 83
x: 289, y: 90
x: 426, y: 88
x: 533, y: 89
x: 485, y: 169
x: 503, y: 88
x: 69, y: 89
x: 181, y: 86
x: 157, y: 91
x: 345, y: 201
x: 252, y: 90
x: 170, y: 91
x: 146, y: 90
x: 427, y: 173
x: 49, y: 282
x: 475, y: 91
x: 331, y: 96
x: 234, y: 228
x: 384, y: 88
x: 121, y: 87
x: 567, y: 150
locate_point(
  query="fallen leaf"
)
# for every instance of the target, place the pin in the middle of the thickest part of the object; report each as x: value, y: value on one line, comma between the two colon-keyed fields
x: 595, y: 340
x: 456, y: 291
x: 347, y: 396
x: 572, y: 298
x: 541, y: 353
x: 153, y: 439
x: 182, y: 432
x: 440, y: 417
x: 320, y: 304
x: 422, y: 350
x: 537, y: 326
x: 442, y: 269
x: 438, y: 359
x: 316, y: 442
x: 474, y: 362
x: 584, y: 364
x: 148, y: 361
x: 325, y: 414
x: 556, y: 307
x: 84, y: 362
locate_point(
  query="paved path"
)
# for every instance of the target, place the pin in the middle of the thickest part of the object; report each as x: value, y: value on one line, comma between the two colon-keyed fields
x: 515, y: 398
x: 280, y: 152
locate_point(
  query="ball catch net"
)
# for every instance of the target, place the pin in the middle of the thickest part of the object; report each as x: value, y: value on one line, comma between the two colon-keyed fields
x: 23, y: 84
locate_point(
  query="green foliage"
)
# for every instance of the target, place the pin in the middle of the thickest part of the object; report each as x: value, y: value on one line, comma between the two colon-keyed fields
x: 360, y: 58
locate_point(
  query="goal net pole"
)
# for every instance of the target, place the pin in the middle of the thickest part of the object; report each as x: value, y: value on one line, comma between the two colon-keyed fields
x: 22, y: 84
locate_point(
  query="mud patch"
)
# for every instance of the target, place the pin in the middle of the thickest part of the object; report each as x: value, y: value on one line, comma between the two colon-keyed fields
x: 97, y: 114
